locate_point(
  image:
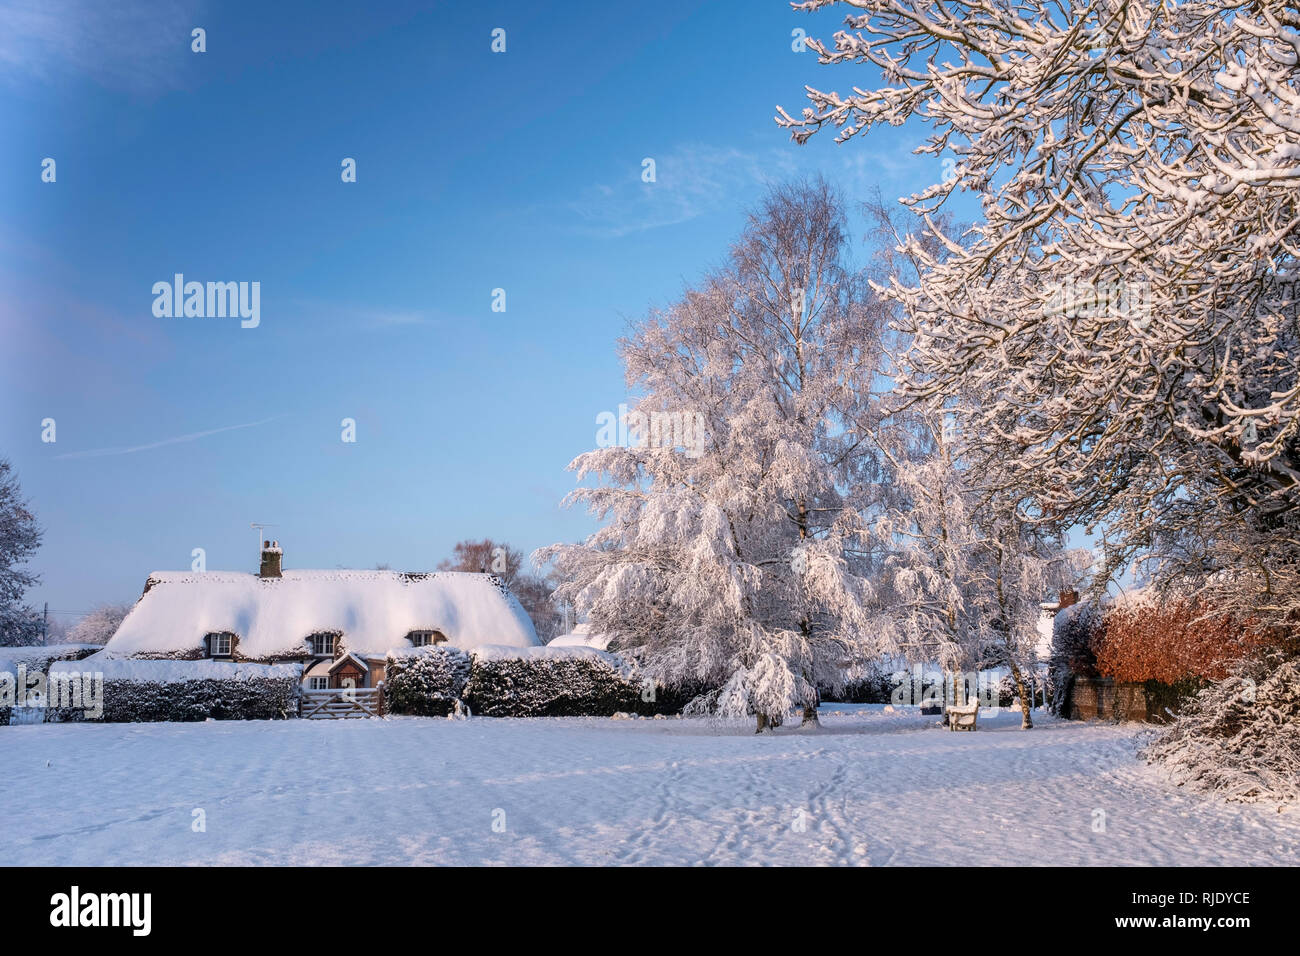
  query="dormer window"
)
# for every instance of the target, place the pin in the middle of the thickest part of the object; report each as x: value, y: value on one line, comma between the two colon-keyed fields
x: 426, y: 638
x: 322, y: 645
x: 220, y: 643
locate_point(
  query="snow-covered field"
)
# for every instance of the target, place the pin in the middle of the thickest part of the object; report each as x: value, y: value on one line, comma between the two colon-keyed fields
x: 869, y: 788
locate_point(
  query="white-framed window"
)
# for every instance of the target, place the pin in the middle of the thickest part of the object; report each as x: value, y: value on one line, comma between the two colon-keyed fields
x: 425, y: 638
x: 220, y: 643
x: 318, y: 683
x: 322, y: 645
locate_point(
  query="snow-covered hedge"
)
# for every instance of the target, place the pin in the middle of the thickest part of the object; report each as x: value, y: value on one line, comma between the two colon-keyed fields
x: 1171, y: 638
x: 1007, y: 691
x: 6, y: 667
x: 426, y: 681
x: 149, y: 690
x: 870, y: 684
x: 1239, y: 737
x: 39, y: 657
x: 553, y: 682
x: 1171, y: 645
x: 1008, y: 695
x: 36, y: 659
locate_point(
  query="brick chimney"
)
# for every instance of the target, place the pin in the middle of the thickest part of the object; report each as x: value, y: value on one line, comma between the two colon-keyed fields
x: 271, y: 555
x: 1067, y: 598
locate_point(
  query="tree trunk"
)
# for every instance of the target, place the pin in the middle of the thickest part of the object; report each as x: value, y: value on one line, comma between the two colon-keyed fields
x: 1026, y: 702
x: 953, y: 700
x: 805, y: 627
x: 762, y: 724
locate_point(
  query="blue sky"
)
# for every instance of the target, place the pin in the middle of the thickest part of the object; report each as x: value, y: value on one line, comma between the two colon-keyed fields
x: 475, y: 171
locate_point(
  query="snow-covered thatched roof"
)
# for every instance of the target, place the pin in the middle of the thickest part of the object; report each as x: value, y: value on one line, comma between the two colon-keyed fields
x: 581, y: 636
x: 373, y: 610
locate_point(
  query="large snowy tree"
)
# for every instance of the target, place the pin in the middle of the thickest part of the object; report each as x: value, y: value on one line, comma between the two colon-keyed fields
x: 734, y: 554
x: 1127, y: 305
x: 99, y: 625
x: 19, y: 539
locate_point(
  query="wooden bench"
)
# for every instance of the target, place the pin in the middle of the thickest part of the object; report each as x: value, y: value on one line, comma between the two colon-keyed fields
x: 963, y: 717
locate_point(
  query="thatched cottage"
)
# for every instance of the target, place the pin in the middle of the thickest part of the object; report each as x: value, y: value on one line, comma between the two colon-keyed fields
x: 340, y: 625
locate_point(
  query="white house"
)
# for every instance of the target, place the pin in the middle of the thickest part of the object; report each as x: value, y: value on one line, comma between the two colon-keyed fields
x: 340, y: 625
x: 1047, y: 621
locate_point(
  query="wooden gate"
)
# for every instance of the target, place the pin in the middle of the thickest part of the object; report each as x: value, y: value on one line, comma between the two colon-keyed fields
x: 342, y: 702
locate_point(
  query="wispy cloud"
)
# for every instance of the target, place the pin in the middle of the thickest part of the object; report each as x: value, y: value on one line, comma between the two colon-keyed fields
x: 135, y: 45
x: 383, y: 319
x: 179, y: 439
x: 369, y: 317
x: 694, y: 180
x: 690, y: 181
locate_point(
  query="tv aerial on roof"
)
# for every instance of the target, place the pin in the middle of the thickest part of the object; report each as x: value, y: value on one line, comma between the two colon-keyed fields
x: 259, y: 526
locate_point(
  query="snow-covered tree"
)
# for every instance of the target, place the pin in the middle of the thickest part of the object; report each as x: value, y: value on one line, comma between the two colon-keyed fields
x: 20, y: 625
x: 965, y: 574
x: 735, y: 556
x: 486, y: 556
x: 1126, y: 308
x: 56, y: 628
x: 1240, y: 737
x: 19, y: 539
x: 99, y: 625
x: 933, y: 567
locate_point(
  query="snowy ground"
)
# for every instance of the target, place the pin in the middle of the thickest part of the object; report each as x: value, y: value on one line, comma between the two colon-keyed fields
x: 869, y: 788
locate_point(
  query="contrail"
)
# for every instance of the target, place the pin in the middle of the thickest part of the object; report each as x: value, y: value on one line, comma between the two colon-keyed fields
x: 102, y: 452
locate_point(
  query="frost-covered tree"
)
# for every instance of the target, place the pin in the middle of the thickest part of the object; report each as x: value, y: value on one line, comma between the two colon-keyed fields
x: 933, y: 565
x: 99, y: 625
x: 56, y: 628
x: 1126, y: 307
x: 534, y: 592
x: 486, y: 555
x: 19, y: 538
x: 964, y: 575
x: 1240, y: 737
x: 20, y: 625
x: 736, y: 556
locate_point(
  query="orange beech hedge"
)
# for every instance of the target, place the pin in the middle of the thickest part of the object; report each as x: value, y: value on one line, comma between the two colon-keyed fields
x: 1170, y: 642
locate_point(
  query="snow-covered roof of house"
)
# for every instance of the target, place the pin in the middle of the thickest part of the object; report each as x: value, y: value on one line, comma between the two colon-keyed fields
x: 581, y: 636
x: 373, y: 610
x: 346, y: 658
